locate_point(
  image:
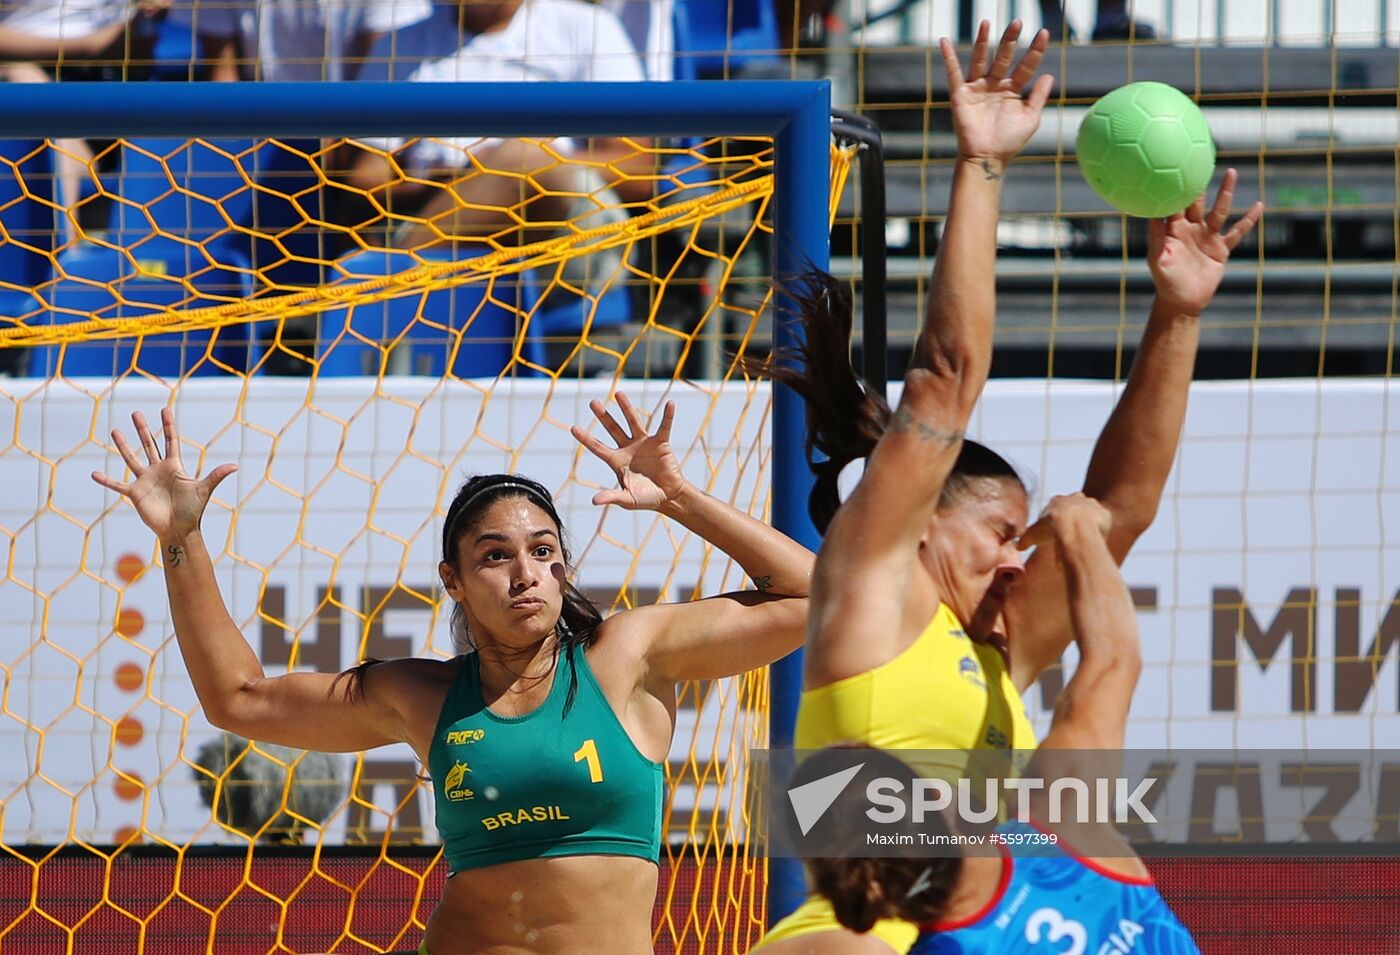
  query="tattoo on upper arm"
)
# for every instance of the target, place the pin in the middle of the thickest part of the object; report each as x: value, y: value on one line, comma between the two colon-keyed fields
x: 904, y: 420
x: 763, y: 584
x: 175, y: 555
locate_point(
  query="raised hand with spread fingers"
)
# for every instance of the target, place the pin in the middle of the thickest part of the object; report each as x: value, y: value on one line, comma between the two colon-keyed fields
x: 168, y: 499
x: 996, y: 107
x: 648, y: 473
x: 1187, y: 255
x: 1187, y: 252
x: 649, y: 477
x: 729, y: 633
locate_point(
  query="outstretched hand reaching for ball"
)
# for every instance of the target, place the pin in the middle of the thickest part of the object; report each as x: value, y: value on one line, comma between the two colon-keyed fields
x: 1187, y: 252
x: 992, y: 118
x: 169, y: 501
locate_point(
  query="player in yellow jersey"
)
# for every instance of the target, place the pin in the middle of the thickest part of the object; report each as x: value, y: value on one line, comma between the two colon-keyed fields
x: 974, y: 627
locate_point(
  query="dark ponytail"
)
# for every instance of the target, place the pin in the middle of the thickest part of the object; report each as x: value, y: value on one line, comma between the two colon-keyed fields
x: 864, y: 891
x: 845, y: 419
x: 854, y: 888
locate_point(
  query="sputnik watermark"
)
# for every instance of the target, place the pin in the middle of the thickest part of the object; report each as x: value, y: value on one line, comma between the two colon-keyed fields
x: 810, y: 801
x: 1111, y: 799
x: 866, y: 802
x: 892, y: 801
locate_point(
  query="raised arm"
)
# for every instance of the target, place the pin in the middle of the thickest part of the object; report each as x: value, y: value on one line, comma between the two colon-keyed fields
x: 321, y: 711
x: 1187, y: 255
x: 649, y: 478
x: 724, y: 635
x: 993, y: 123
x: 1087, y: 731
x: 1092, y: 712
x: 863, y: 575
x: 869, y: 555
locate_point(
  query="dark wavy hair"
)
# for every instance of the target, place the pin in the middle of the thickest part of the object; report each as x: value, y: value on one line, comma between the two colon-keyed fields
x: 579, y: 618
x: 845, y: 419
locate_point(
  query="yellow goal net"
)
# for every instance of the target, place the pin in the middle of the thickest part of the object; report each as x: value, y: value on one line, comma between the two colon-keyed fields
x: 359, y: 325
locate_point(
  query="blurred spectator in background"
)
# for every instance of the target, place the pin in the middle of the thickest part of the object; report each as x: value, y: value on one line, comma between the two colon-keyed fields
x: 84, y: 39
x: 1112, y: 23
x: 501, y: 41
x: 42, y: 40
x: 292, y: 39
x: 649, y: 25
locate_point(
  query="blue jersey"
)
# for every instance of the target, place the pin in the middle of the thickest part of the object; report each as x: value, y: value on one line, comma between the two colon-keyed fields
x: 1050, y: 902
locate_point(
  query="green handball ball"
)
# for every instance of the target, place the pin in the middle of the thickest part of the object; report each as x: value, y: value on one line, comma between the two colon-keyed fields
x: 1146, y: 149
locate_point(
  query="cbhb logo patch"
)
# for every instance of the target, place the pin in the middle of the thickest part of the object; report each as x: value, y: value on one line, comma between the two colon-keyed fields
x: 454, y: 786
x: 971, y: 672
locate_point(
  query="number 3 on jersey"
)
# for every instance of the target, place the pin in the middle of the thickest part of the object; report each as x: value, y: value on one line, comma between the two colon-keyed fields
x: 588, y: 753
x: 1050, y: 926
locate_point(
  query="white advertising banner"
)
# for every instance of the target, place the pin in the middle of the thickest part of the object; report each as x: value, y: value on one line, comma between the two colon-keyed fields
x: 1269, y: 586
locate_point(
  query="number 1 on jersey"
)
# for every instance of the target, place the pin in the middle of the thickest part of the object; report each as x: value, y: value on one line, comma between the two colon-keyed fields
x: 588, y: 753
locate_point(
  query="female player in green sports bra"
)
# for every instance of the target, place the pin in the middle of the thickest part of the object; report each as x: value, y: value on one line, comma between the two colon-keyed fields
x: 545, y: 744
x: 965, y: 565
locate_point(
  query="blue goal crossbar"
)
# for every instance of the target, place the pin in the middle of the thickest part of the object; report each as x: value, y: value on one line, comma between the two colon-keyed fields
x: 796, y: 114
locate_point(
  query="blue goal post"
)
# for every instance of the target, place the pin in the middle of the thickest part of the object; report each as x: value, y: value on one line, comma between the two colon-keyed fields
x: 796, y: 114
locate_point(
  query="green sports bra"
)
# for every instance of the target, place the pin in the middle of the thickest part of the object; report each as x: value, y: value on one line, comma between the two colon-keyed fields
x: 541, y: 785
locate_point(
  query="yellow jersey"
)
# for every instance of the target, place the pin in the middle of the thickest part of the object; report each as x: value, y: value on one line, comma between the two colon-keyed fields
x: 945, y: 693
x: 817, y: 915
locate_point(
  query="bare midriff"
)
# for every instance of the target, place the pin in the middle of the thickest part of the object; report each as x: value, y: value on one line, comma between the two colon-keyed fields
x: 578, y: 905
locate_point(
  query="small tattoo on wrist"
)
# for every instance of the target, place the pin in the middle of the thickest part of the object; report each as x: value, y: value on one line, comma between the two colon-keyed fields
x: 174, y: 555
x: 990, y: 170
x: 904, y: 421
x: 764, y: 583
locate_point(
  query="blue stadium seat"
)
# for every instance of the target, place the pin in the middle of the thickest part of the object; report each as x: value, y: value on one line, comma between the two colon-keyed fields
x: 288, y: 197
x: 85, y: 291
x: 27, y: 224
x: 709, y: 44
x: 176, y: 191
x: 425, y: 323
x: 231, y: 197
x: 184, y: 204
x: 564, y: 315
x: 175, y: 53
x: 174, y: 227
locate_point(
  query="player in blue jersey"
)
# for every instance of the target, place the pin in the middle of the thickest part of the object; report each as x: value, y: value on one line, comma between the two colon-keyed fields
x: 1048, y: 899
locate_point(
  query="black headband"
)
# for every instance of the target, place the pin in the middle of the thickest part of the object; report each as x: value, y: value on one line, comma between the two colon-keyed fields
x: 533, y: 493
